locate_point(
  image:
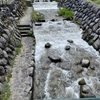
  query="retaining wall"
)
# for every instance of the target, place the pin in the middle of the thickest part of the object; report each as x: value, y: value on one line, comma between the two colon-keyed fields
x: 10, y: 36
x: 88, y: 15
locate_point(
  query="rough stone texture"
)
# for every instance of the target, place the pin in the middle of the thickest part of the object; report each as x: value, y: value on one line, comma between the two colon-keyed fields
x: 22, y: 73
x: 21, y: 82
x: 10, y: 37
x: 89, y: 17
x: 85, y: 62
x: 82, y: 82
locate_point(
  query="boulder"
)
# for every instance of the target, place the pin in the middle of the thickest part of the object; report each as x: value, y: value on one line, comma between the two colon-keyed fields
x: 70, y: 41
x: 67, y: 47
x: 85, y: 62
x: 47, y: 45
x: 90, y: 72
x: 82, y: 82
x: 79, y: 69
x: 87, y: 92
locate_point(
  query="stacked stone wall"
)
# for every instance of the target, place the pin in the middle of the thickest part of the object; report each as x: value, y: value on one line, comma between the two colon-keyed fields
x: 10, y: 36
x: 88, y: 15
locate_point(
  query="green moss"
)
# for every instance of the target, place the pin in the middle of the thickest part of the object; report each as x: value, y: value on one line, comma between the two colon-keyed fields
x: 36, y: 16
x: 90, y: 42
x: 94, y: 1
x: 66, y: 13
x: 5, y: 95
x: 17, y: 51
x: 78, y: 22
x: 24, y: 4
x: 30, y: 33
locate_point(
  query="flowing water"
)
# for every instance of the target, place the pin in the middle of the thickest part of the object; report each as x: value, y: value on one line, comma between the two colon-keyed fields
x: 60, y: 79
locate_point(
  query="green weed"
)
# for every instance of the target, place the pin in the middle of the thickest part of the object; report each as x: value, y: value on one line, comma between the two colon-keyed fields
x: 66, y: 13
x: 36, y: 16
x: 5, y: 95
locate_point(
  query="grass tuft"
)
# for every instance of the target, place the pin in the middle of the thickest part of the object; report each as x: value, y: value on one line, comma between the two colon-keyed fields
x: 5, y: 95
x: 66, y: 13
x: 94, y: 1
x: 36, y: 16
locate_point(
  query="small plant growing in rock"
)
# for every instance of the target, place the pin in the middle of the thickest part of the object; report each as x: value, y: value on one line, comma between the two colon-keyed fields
x: 36, y: 16
x: 5, y: 95
x: 29, y: 33
x: 66, y: 13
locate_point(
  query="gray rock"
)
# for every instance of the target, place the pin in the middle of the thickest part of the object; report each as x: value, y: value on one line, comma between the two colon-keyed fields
x: 3, y: 62
x: 82, y: 82
x: 8, y: 69
x: 8, y: 50
x: 3, y: 40
x: 30, y: 70
x: 92, y: 67
x: 11, y: 47
x: 79, y: 69
x: 2, y: 70
x: 47, y: 45
x: 1, y: 45
x: 85, y: 62
x: 6, y: 37
x: 5, y: 54
x: 87, y: 92
x: 70, y: 41
x: 67, y: 48
x: 7, y: 32
x: 95, y: 37
x: 1, y: 53
x: 95, y: 27
x: 90, y: 72
x: 98, y: 31
x: 96, y: 44
x: 91, y: 24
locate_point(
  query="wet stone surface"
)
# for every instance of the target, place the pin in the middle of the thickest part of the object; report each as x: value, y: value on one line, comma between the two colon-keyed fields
x: 60, y: 79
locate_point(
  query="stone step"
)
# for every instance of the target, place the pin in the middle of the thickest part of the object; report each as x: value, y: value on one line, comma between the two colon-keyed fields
x: 24, y: 25
x: 24, y: 28
x: 25, y: 35
x: 24, y: 31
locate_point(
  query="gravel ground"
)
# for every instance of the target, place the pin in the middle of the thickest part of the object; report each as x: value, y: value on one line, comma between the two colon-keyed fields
x: 26, y: 19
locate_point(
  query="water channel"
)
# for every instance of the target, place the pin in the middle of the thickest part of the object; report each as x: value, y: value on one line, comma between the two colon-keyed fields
x: 60, y: 79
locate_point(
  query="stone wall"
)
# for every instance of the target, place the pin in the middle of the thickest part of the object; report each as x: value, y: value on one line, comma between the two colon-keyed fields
x: 10, y: 36
x: 88, y: 15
